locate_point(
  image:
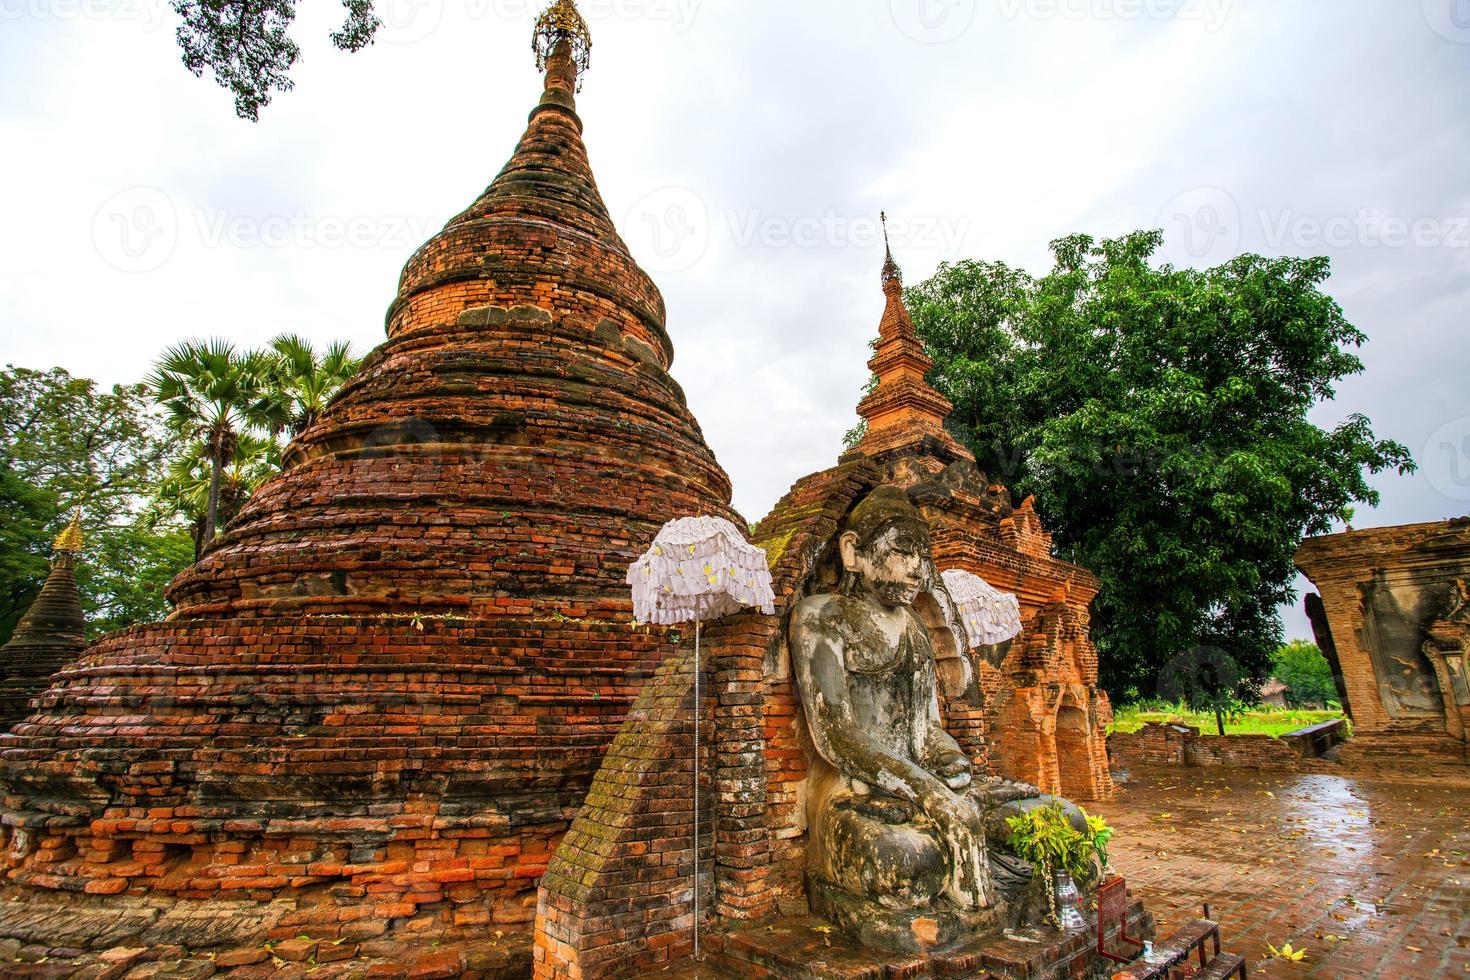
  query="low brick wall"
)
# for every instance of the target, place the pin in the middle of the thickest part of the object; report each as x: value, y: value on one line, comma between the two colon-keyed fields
x: 1183, y: 745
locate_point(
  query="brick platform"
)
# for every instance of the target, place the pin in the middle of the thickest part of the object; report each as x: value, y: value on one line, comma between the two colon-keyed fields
x: 1185, y: 745
x: 805, y: 948
x: 1383, y: 862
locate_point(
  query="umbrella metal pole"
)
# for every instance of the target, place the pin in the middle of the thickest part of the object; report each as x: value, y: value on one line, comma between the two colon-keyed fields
x: 697, y: 707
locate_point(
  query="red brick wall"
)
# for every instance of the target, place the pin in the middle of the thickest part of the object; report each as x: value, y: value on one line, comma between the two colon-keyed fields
x: 1179, y: 745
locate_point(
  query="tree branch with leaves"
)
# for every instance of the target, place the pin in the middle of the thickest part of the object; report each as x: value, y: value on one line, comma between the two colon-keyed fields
x: 246, y: 45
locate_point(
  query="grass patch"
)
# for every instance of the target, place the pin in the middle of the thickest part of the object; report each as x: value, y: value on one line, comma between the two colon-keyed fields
x: 1258, y: 721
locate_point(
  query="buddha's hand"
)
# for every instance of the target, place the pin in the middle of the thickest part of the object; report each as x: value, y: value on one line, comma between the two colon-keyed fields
x: 885, y: 809
x: 957, y: 825
x: 954, y: 769
x: 949, y: 812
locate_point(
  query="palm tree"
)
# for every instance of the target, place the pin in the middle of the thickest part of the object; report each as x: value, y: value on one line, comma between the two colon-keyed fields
x: 303, y: 380
x: 186, y: 486
x: 213, y: 394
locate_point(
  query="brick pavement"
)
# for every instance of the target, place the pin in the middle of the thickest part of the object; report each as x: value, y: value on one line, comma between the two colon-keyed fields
x: 1380, y: 862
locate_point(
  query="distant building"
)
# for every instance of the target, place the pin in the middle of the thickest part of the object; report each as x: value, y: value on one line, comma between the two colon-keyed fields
x: 1273, y: 692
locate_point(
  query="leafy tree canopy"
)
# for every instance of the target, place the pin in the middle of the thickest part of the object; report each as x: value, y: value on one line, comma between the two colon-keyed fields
x: 66, y: 443
x: 245, y: 44
x: 1160, y: 418
x: 145, y: 463
x: 1301, y: 666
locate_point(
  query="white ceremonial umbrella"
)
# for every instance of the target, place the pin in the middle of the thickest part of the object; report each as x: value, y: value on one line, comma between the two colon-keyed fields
x: 989, y: 615
x: 699, y: 568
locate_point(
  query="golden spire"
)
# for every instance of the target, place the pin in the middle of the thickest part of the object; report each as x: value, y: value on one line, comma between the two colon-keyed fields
x: 562, y: 22
x: 70, y: 541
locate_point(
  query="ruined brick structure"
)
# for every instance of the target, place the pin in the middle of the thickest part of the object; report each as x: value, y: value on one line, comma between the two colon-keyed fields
x: 1393, y: 618
x: 1183, y: 745
x: 52, y: 631
x: 387, y: 685
x: 617, y: 897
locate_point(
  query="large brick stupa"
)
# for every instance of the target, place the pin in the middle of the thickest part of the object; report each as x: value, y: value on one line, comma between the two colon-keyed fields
x: 386, y: 686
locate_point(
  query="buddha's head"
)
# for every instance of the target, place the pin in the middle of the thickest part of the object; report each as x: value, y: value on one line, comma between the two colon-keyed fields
x: 885, y: 549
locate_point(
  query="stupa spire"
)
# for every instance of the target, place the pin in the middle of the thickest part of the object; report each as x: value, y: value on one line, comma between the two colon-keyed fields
x: 891, y: 271
x: 70, y: 540
x: 904, y: 408
x: 561, y: 42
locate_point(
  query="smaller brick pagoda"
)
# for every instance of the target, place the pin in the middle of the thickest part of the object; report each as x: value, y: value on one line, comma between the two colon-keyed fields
x: 52, y: 632
x: 1038, y: 714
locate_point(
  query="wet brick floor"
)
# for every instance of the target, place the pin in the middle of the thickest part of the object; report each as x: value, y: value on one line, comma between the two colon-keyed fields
x: 1370, y: 874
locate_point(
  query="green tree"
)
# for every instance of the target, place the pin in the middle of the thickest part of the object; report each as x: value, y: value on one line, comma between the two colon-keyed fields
x: 1305, y: 672
x: 302, y: 380
x: 1160, y: 418
x: 66, y: 443
x: 245, y: 44
x: 123, y: 580
x: 25, y: 512
x: 210, y: 392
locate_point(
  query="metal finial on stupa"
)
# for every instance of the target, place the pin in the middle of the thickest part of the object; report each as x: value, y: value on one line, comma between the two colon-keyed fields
x: 891, y: 271
x: 563, y: 22
x: 70, y: 540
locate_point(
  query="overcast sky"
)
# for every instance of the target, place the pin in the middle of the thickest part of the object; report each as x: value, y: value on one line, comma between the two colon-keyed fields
x: 745, y: 148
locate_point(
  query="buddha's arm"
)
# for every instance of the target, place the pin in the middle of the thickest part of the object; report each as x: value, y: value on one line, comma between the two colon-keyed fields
x: 938, y: 750
x: 821, y: 675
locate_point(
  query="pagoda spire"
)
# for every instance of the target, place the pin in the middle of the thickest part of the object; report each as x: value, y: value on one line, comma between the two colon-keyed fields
x: 562, y: 42
x: 69, y: 542
x: 51, y: 633
x: 891, y: 271
x: 904, y: 408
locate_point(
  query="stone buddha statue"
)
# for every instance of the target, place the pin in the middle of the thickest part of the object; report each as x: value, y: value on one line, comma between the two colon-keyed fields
x: 900, y: 833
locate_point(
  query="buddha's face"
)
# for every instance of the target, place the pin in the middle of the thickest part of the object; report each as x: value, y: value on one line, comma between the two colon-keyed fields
x: 893, y: 566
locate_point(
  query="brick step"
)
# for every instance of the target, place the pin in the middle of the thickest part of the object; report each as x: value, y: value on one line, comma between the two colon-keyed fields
x: 1187, y: 937
x: 805, y: 948
x: 709, y: 969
